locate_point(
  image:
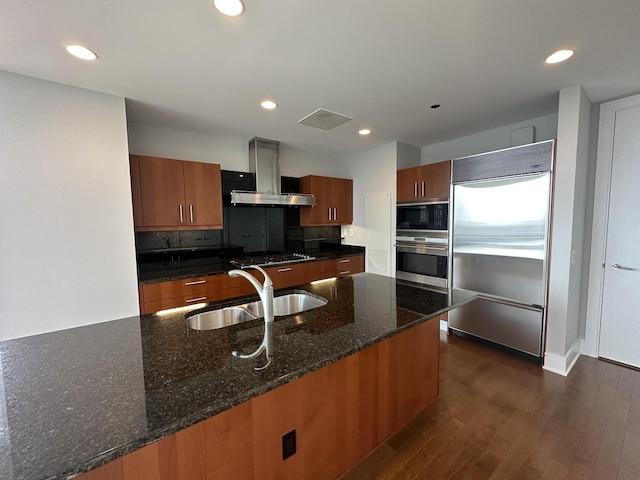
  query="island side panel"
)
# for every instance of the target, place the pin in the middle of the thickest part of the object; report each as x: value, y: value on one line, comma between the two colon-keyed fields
x: 340, y: 414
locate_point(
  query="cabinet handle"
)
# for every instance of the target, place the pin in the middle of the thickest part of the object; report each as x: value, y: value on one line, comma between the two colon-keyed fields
x: 199, y: 299
x: 415, y: 189
x: 345, y: 272
x: 181, y: 218
x: 197, y: 282
x: 191, y: 212
x: 423, y: 190
x: 329, y: 213
x: 335, y: 215
x: 280, y: 270
x: 344, y: 261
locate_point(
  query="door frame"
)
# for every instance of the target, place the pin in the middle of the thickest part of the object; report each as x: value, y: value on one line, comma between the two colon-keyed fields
x: 604, y: 164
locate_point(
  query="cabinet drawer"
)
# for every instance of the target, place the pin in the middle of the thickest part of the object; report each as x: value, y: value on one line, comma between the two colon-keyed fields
x: 212, y: 296
x: 344, y: 263
x: 153, y: 292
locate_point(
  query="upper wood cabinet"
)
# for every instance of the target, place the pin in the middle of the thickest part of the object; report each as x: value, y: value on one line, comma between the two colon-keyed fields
x: 427, y: 182
x: 175, y: 195
x: 334, y: 201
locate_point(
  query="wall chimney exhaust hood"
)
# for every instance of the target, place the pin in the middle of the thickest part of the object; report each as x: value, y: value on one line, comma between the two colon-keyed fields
x: 264, y: 162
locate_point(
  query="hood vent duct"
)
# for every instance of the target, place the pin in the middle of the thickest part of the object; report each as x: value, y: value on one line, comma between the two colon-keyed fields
x: 264, y: 162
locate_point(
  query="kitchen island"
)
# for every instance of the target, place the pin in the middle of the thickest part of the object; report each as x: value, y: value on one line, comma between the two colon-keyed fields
x: 101, y: 395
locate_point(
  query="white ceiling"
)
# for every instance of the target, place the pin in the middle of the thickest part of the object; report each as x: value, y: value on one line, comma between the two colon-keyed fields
x: 182, y: 65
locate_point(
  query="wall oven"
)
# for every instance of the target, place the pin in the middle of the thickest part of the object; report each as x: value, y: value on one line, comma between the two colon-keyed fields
x: 423, y: 258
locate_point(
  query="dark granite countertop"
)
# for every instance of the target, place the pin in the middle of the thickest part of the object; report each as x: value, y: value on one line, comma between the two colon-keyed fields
x: 215, y: 266
x: 75, y: 399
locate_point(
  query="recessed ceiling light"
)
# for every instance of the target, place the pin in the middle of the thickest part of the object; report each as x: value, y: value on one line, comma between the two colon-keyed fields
x: 81, y: 52
x: 231, y: 8
x: 559, y: 56
x: 364, y: 131
x: 269, y: 104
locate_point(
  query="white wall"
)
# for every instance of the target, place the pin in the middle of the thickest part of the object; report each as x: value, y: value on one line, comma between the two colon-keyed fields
x: 230, y: 153
x: 572, y: 161
x: 373, y: 172
x: 408, y: 156
x: 67, y: 245
x: 489, y: 140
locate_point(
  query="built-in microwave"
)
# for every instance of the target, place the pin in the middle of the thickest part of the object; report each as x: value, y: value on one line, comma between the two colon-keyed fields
x: 428, y: 216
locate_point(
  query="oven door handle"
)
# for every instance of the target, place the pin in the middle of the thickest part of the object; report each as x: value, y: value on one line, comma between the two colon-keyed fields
x: 421, y: 248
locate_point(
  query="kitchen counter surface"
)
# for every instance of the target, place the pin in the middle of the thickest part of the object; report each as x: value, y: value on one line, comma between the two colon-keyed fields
x: 217, y: 266
x: 75, y: 399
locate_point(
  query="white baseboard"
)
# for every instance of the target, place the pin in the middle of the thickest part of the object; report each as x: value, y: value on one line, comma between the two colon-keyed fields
x: 562, y: 365
x: 444, y: 325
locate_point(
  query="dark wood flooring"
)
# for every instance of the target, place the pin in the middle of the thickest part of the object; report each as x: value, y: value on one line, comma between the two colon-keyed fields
x: 501, y: 417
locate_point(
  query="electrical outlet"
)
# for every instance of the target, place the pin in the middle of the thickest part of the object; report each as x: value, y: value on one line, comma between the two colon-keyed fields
x: 351, y: 232
x: 288, y: 444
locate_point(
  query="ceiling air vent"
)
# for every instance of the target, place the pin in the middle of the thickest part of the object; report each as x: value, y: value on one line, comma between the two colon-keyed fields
x: 324, y: 119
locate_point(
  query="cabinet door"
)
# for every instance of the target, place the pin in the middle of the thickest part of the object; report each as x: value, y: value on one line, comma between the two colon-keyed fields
x: 342, y: 196
x: 203, y: 194
x: 162, y: 192
x: 321, y: 188
x: 408, y: 184
x: 437, y: 178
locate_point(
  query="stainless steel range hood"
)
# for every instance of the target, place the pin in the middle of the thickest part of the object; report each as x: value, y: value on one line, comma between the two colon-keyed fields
x: 264, y: 162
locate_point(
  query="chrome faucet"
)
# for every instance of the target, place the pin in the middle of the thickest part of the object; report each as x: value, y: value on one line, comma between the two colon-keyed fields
x: 265, y: 292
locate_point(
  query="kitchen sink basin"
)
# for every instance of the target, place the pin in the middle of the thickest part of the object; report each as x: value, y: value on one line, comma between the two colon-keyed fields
x: 290, y: 304
x: 221, y: 318
x: 283, y: 305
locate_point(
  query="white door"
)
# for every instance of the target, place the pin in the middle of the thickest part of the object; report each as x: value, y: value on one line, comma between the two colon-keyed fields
x: 620, y: 314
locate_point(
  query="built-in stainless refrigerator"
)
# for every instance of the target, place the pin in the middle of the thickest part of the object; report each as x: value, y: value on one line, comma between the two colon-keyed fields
x: 500, y: 243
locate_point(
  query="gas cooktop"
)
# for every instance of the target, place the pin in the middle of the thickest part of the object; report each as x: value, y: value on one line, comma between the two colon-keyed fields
x: 270, y: 259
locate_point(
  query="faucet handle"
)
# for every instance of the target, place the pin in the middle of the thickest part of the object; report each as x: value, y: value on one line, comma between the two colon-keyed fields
x: 267, y: 279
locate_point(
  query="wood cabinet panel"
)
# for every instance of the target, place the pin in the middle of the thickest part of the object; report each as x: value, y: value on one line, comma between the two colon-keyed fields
x: 203, y: 194
x: 188, y: 286
x: 427, y: 182
x: 162, y: 191
x: 334, y: 201
x: 340, y: 413
x: 408, y: 181
x: 342, y: 193
x: 186, y: 300
x: 341, y: 267
x: 180, y: 293
x: 437, y: 178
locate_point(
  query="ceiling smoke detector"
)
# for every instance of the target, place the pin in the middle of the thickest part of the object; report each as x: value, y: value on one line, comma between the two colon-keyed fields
x: 324, y: 119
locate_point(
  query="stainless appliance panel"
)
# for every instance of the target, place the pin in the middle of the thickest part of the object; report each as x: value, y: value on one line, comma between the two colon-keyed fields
x: 421, y: 262
x: 521, y: 279
x: 505, y: 324
x: 505, y: 217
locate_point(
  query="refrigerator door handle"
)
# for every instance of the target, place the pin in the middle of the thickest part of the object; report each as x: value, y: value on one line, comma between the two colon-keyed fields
x: 504, y: 301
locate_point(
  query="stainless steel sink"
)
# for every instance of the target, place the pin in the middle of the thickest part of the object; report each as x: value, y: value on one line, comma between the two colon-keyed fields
x: 296, y: 302
x: 219, y: 318
x: 290, y: 304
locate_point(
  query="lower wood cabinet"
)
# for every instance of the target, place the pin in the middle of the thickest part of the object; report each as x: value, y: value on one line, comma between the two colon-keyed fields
x: 180, y: 293
x: 341, y: 267
x: 340, y: 413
